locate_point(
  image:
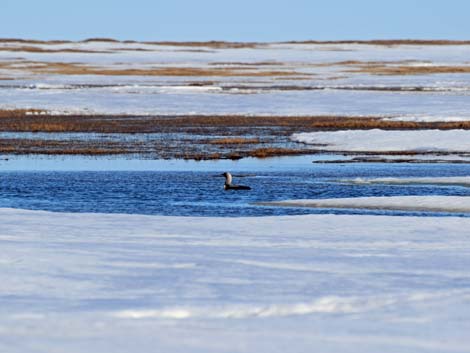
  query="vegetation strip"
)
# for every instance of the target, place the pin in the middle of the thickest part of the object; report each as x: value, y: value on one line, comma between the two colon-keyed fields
x: 183, y: 136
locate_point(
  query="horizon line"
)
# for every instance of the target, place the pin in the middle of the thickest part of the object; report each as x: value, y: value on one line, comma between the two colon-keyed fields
x: 391, y: 41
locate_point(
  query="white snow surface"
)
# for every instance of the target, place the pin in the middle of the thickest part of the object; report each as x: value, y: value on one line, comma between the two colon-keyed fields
x: 335, y: 88
x: 459, y: 204
x: 427, y: 118
x: 458, y: 181
x: 383, y: 140
x: 327, y: 283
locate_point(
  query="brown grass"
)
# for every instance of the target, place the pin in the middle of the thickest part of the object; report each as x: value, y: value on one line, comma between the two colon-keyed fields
x: 411, y: 70
x: 61, y: 147
x: 19, y: 113
x: 82, y: 69
x: 22, y: 120
x: 32, y: 49
x: 33, y: 41
x: 387, y: 42
x: 361, y: 63
x: 209, y: 44
x: 236, y: 45
x: 276, y: 152
x: 188, y: 137
x: 108, y: 40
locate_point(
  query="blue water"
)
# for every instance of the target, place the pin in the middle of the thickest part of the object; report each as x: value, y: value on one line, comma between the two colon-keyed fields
x: 184, y: 192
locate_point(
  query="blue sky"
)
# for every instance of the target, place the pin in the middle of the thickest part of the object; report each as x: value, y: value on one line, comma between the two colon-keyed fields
x: 239, y: 20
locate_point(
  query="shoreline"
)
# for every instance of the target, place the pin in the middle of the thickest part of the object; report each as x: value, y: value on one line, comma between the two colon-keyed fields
x: 194, y: 137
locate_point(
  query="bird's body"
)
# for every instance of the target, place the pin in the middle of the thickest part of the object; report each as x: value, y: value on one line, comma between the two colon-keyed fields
x: 236, y: 187
x: 228, y: 183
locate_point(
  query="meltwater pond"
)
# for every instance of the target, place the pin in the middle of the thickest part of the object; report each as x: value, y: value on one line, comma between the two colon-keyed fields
x: 196, y: 188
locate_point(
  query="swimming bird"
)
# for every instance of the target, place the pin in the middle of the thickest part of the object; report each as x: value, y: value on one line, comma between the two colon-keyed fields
x: 228, y: 183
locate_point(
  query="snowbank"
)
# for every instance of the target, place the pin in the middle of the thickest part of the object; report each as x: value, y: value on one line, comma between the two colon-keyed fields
x: 382, y: 140
x: 459, y: 204
x: 457, y: 181
x: 129, y: 283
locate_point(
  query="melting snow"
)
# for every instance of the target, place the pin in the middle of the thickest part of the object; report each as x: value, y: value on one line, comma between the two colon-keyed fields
x: 457, y: 204
x: 128, y: 283
x: 459, y: 181
x: 382, y: 140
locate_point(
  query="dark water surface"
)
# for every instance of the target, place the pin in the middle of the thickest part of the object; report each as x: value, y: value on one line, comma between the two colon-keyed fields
x: 196, y: 189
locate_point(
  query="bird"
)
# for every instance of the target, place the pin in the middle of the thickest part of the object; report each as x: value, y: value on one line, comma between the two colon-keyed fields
x: 228, y: 183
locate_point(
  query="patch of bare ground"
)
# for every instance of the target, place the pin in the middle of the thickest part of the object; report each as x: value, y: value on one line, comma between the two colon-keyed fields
x: 235, y: 45
x: 63, y: 147
x: 362, y: 63
x: 39, y: 121
x: 33, y: 49
x: 105, y: 40
x: 33, y: 41
x: 82, y: 69
x: 274, y: 152
x: 403, y: 70
x: 206, y: 44
x: 20, y: 113
x: 210, y: 44
x: 387, y: 42
x: 186, y: 136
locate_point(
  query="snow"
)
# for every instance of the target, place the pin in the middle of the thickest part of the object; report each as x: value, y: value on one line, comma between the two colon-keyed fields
x: 337, y: 90
x: 383, y: 140
x: 459, y: 204
x: 427, y: 118
x: 128, y: 283
x: 458, y: 181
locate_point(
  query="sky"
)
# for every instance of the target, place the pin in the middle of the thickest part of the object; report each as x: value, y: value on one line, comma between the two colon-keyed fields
x: 239, y: 20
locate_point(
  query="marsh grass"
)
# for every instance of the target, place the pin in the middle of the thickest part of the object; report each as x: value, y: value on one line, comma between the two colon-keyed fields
x: 33, y: 49
x: 61, y: 68
x: 404, y: 70
x: 241, y: 45
x: 31, y: 120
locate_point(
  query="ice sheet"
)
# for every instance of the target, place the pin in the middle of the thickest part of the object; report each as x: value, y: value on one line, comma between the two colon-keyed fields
x: 122, y: 283
x: 377, y: 140
x: 458, y: 204
x: 330, y: 73
x: 462, y: 181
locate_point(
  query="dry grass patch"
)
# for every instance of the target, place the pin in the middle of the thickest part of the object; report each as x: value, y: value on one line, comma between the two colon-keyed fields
x: 105, y: 40
x: 387, y: 42
x: 82, y: 69
x: 37, y: 120
x: 33, y: 41
x: 209, y: 44
x: 32, y: 49
x: 264, y: 152
x: 63, y: 147
x: 402, y: 70
x: 187, y: 136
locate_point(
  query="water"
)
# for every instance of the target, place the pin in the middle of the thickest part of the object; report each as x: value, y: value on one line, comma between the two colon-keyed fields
x: 196, y: 188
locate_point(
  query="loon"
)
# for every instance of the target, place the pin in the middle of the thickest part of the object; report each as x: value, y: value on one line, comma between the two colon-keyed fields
x: 228, y: 183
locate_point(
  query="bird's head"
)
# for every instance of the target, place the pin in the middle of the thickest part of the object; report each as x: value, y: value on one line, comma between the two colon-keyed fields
x: 228, y: 177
